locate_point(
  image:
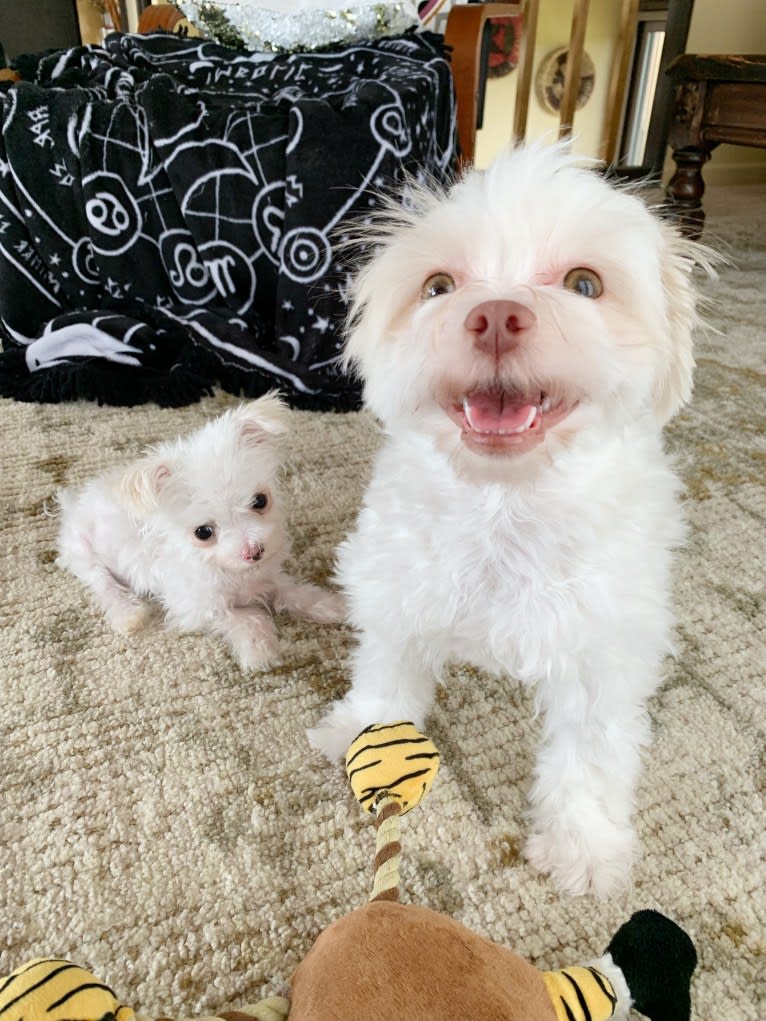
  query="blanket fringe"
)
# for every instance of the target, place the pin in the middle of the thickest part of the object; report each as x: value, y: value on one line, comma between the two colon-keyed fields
x: 188, y: 381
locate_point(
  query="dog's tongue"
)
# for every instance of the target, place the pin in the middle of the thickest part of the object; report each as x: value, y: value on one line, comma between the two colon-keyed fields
x: 491, y: 412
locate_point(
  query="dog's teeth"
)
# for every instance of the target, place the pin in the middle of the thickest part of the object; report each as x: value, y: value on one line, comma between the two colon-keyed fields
x: 532, y: 415
x: 546, y: 404
x: 467, y: 413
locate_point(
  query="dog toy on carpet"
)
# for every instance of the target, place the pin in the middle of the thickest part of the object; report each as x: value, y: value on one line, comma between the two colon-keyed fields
x: 51, y: 989
x: 405, y: 962
x: 389, y: 960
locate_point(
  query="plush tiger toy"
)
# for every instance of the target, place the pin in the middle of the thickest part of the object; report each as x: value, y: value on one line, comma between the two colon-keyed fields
x: 52, y: 989
x: 393, y: 960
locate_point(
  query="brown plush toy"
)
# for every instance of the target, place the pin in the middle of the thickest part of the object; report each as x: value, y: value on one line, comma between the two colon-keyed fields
x: 392, y: 962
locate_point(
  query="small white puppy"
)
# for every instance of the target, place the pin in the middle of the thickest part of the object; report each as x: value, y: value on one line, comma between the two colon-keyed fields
x: 198, y: 525
x: 523, y: 338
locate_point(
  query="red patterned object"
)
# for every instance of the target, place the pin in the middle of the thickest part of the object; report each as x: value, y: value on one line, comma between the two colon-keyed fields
x: 504, y: 45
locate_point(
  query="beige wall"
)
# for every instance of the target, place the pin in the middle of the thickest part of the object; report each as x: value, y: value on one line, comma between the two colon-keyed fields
x: 738, y: 26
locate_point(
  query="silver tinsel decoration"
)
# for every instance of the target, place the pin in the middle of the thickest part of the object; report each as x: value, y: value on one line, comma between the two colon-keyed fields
x: 289, y: 25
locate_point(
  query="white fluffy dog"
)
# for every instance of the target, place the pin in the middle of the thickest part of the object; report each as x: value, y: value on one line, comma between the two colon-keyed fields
x: 523, y: 338
x: 197, y: 524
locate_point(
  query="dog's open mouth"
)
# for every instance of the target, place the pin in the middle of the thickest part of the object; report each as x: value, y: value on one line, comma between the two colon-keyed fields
x: 494, y: 420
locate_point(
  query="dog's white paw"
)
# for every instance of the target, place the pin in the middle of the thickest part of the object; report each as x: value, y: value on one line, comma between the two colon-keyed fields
x: 311, y: 601
x: 259, y: 654
x: 596, y: 860
x: 128, y: 617
x: 335, y: 731
x: 329, y: 608
x: 253, y: 638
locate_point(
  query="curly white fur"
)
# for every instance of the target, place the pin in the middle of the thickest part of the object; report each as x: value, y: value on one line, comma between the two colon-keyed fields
x: 522, y: 511
x: 197, y: 524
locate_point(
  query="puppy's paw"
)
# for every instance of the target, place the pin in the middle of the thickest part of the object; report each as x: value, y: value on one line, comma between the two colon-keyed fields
x: 335, y: 731
x: 329, y: 607
x: 252, y: 637
x: 260, y: 654
x: 128, y: 617
x: 594, y: 860
x: 311, y: 601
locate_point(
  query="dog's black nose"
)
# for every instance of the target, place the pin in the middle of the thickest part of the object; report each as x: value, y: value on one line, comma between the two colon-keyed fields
x: 499, y: 326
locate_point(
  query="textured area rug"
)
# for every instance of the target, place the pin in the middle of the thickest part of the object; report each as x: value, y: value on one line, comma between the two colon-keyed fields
x: 165, y: 822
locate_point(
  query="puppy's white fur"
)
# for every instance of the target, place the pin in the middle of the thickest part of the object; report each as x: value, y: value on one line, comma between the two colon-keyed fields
x: 198, y: 524
x: 539, y: 551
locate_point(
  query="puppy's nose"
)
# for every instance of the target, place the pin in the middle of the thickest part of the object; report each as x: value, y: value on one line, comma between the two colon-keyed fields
x: 499, y: 326
x: 253, y: 552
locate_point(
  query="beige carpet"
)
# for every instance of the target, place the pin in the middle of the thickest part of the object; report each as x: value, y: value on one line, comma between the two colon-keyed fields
x: 164, y: 821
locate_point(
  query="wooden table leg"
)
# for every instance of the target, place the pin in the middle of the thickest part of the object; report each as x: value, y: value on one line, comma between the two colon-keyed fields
x: 690, y: 153
x: 686, y: 188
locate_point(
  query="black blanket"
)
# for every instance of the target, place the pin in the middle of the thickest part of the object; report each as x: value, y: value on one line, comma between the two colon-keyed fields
x: 168, y: 210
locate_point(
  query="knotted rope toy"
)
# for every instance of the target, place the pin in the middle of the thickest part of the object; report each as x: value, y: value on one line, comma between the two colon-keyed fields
x: 391, y: 767
x: 392, y: 960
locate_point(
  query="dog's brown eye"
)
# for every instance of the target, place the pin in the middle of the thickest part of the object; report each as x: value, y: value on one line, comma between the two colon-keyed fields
x: 204, y: 533
x: 439, y: 283
x: 260, y: 502
x: 585, y: 282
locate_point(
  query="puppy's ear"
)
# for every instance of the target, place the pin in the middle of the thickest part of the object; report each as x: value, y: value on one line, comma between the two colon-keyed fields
x: 262, y: 421
x: 142, y: 483
x: 673, y: 385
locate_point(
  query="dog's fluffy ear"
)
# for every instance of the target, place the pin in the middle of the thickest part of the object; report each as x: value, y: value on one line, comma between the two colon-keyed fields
x: 263, y: 420
x: 142, y: 483
x: 673, y: 385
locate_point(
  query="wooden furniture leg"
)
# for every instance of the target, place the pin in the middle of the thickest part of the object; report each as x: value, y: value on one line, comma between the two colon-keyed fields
x: 690, y: 153
x: 686, y: 188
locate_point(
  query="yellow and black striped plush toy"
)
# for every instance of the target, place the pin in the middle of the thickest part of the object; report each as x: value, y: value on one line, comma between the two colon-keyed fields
x: 52, y: 989
x: 388, y: 960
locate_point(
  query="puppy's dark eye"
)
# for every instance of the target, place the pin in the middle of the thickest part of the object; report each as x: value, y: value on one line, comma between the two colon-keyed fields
x: 585, y: 282
x: 438, y: 283
x: 260, y: 502
x: 204, y: 533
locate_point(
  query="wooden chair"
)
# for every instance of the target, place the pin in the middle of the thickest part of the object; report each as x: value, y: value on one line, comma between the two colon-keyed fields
x: 466, y: 34
x: 163, y: 16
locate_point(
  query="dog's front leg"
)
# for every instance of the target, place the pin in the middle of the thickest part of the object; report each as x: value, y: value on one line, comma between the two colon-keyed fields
x: 311, y: 601
x: 582, y: 799
x: 391, y: 681
x: 251, y: 634
x: 125, y: 611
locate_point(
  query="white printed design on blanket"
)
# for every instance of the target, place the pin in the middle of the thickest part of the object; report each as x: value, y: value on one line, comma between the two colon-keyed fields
x: 194, y: 194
